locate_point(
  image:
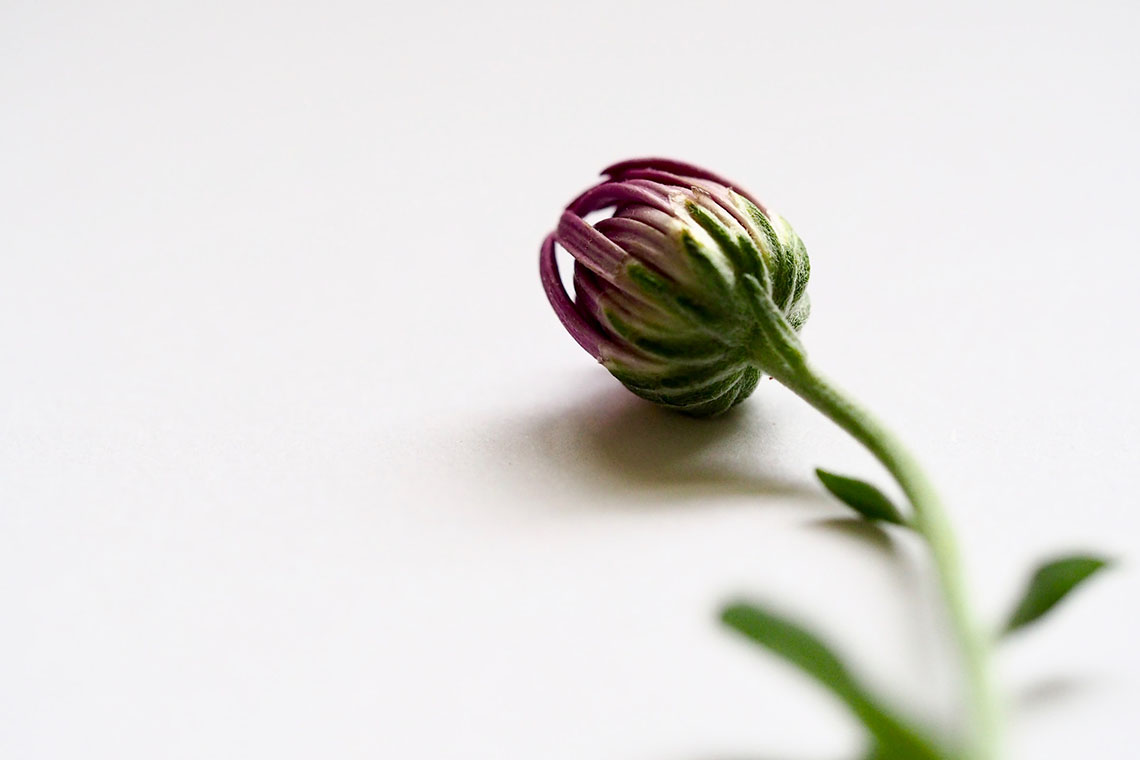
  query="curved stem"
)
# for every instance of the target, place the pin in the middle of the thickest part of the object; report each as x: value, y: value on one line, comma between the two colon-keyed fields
x: 930, y: 522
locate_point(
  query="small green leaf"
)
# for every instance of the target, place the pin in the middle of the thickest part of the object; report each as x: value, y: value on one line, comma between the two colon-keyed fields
x: 893, y: 737
x: 1051, y: 583
x: 863, y: 497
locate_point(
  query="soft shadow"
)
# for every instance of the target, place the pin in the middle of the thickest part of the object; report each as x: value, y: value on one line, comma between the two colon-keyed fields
x: 617, y: 441
x: 870, y: 534
x: 1051, y: 691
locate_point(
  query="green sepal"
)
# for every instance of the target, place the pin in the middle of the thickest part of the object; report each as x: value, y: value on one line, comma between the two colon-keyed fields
x: 861, y: 496
x: 1050, y: 583
x: 715, y: 284
x: 779, y: 346
x: 718, y: 232
x: 668, y: 295
x: 680, y: 345
x: 801, y: 265
x: 780, y: 260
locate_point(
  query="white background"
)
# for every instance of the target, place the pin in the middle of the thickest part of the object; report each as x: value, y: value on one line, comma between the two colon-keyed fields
x: 296, y: 462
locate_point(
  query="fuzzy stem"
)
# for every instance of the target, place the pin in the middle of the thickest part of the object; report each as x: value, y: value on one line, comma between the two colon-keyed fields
x: 930, y: 522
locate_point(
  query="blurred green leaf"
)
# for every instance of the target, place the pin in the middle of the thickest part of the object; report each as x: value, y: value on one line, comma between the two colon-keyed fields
x: 1051, y: 583
x: 861, y: 496
x: 893, y: 737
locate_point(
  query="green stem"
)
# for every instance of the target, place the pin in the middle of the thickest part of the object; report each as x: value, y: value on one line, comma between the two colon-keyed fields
x: 930, y: 522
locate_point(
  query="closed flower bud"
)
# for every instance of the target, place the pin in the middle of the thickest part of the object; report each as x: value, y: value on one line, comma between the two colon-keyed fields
x: 670, y: 291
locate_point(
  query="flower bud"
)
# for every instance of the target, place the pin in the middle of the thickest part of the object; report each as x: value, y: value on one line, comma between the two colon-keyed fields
x: 666, y: 289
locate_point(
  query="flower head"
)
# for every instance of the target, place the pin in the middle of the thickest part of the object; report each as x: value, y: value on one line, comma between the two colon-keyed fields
x: 666, y: 288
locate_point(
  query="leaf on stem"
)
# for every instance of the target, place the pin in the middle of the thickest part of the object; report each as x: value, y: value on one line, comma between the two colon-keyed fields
x: 893, y: 737
x: 861, y: 496
x: 1051, y: 583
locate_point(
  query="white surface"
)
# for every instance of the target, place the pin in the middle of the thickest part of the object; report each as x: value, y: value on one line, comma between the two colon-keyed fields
x: 295, y: 461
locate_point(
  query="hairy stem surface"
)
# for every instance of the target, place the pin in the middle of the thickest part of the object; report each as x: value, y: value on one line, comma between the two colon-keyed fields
x: 929, y: 521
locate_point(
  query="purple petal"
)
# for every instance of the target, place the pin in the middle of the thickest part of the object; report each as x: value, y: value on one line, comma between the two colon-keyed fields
x: 589, y: 247
x: 587, y: 337
x: 645, y: 243
x: 665, y: 223
x: 662, y: 189
x: 623, y: 229
x: 662, y: 177
x: 587, y: 295
x: 624, y: 169
x: 712, y: 188
x: 609, y: 194
x: 588, y: 299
